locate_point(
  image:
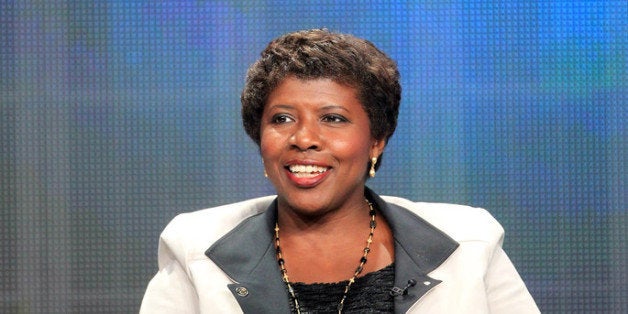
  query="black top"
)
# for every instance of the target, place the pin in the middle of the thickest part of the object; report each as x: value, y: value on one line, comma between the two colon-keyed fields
x: 368, y: 294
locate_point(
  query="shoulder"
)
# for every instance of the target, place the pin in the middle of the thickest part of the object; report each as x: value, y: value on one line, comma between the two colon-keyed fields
x: 190, y: 234
x: 460, y: 222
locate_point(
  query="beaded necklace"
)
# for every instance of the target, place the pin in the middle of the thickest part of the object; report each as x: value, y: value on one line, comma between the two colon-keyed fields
x: 358, y: 270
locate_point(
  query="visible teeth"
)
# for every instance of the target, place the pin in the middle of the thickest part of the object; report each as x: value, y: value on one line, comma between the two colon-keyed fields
x: 307, y: 169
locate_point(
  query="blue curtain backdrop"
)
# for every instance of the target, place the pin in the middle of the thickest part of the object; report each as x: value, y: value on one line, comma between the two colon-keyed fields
x: 117, y: 115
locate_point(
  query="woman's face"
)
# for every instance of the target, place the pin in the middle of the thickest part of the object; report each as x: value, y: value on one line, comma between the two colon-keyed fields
x: 316, y: 144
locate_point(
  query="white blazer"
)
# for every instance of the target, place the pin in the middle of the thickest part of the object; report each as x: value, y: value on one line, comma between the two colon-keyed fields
x: 222, y: 260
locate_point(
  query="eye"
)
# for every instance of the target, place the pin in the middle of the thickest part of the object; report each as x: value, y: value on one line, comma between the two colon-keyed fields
x: 281, y: 118
x: 334, y: 118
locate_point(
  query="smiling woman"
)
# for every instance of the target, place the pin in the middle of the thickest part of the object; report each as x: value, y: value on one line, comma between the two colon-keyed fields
x: 320, y: 125
x: 322, y: 106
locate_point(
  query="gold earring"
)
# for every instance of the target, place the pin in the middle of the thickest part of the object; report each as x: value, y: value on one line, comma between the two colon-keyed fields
x: 264, y: 166
x: 372, y: 171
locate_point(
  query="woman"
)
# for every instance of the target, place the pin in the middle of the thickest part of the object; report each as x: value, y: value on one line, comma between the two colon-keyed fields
x: 322, y: 106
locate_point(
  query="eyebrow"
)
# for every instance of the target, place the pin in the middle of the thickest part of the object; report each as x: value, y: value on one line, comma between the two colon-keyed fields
x: 281, y: 106
x: 328, y: 107
x: 325, y: 107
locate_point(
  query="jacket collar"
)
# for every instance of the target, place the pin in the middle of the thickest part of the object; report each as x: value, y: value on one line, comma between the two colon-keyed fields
x: 247, y: 255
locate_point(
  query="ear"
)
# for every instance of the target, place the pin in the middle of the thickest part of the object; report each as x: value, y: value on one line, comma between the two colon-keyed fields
x: 377, y: 148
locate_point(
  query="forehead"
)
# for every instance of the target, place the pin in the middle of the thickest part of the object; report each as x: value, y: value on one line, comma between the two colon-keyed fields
x: 292, y: 90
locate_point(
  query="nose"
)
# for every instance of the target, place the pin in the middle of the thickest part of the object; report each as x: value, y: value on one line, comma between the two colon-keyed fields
x: 306, y: 136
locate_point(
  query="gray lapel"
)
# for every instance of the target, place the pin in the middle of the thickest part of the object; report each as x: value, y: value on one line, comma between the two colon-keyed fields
x: 247, y: 255
x: 419, y: 249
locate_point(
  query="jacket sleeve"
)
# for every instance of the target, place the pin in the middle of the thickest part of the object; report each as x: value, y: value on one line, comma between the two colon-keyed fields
x: 506, y: 292
x: 171, y: 290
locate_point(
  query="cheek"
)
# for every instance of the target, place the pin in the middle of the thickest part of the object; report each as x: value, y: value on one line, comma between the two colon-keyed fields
x: 350, y: 149
x: 264, y: 150
x: 269, y: 145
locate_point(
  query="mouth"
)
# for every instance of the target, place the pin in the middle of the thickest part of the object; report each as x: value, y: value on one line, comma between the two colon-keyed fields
x: 307, y: 171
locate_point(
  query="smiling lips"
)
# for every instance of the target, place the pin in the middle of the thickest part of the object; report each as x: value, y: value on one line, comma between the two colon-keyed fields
x: 307, y: 171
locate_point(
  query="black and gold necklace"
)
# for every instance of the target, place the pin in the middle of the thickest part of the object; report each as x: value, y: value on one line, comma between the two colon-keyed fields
x: 358, y: 270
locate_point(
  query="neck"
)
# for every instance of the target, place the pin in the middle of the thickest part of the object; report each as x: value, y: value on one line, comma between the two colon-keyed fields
x: 325, y: 222
x: 282, y: 261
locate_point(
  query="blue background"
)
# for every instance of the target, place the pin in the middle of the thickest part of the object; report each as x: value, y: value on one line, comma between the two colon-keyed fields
x: 117, y: 115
